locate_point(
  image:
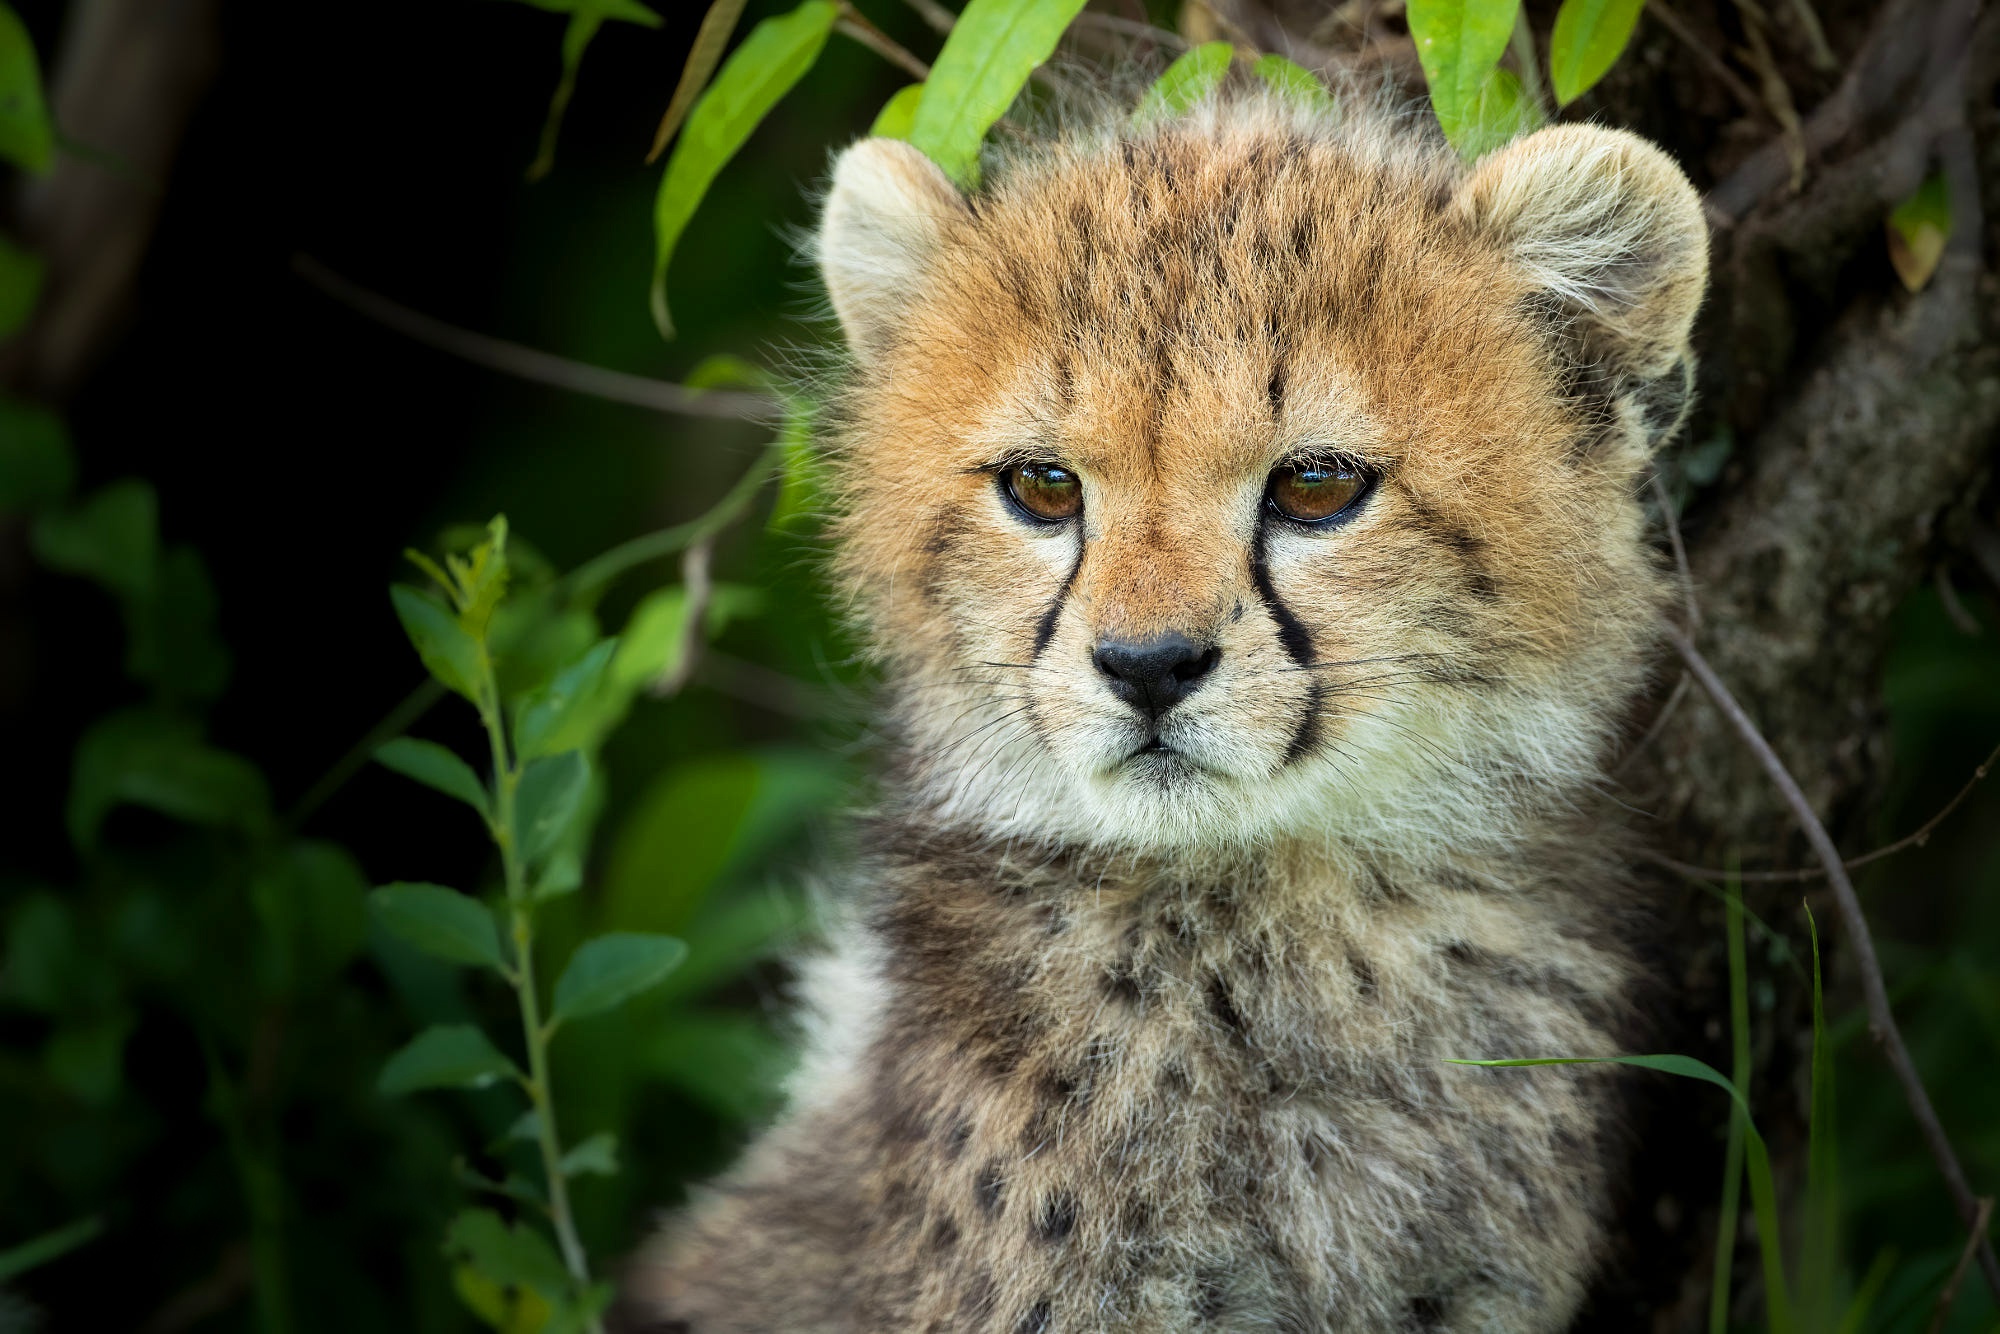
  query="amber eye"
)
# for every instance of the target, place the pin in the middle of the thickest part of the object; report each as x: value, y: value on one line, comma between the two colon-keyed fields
x: 1316, y: 492
x: 1044, y: 491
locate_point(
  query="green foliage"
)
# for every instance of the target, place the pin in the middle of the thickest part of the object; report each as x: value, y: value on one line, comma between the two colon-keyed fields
x: 774, y: 57
x: 1195, y: 74
x: 441, y: 922
x: 435, y: 767
x: 585, y: 18
x: 1589, y: 37
x: 1294, y: 81
x: 20, y: 285
x: 36, y: 471
x: 445, y: 1056
x: 606, y: 972
x: 1459, y: 43
x: 27, y: 138
x: 899, y: 114
x: 986, y: 61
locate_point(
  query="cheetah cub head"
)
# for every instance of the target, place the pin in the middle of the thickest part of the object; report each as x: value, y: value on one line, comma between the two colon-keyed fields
x: 1257, y: 477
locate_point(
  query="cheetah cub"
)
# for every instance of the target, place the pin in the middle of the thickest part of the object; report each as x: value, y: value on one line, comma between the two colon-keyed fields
x: 1242, y: 511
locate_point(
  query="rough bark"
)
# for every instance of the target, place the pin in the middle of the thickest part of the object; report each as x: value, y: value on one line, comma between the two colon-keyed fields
x: 1865, y: 421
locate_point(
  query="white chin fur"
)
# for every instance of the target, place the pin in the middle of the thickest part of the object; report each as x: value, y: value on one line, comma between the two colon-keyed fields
x: 1444, y: 772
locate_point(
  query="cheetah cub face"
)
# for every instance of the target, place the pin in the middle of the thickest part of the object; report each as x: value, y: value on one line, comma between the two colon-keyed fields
x: 1257, y: 476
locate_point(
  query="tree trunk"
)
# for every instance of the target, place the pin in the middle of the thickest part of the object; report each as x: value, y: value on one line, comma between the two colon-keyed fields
x: 1862, y: 419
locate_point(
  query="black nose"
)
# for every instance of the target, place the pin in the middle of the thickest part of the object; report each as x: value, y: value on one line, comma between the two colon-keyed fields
x: 1157, y: 674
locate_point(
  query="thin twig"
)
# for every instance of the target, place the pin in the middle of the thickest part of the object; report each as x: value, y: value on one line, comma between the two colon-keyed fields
x: 936, y: 15
x: 1957, y: 1280
x: 1916, y: 840
x: 694, y: 624
x: 1823, y: 58
x: 853, y: 23
x: 396, y: 722
x: 1967, y: 623
x: 1673, y: 523
x: 1724, y: 75
x: 1658, y: 725
x: 1881, y: 1020
x: 754, y: 683
x: 527, y: 363
x: 1132, y: 28
x: 1777, y: 93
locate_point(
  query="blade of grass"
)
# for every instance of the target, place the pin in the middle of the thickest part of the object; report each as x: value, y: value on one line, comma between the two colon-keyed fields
x: 1819, y: 1248
x: 1732, y: 1169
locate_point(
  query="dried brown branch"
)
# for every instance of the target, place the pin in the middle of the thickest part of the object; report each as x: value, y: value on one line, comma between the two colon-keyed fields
x: 1957, y: 1280
x: 853, y: 23
x: 936, y: 15
x: 1132, y: 28
x: 1908, y: 841
x: 527, y: 363
x: 1881, y: 1019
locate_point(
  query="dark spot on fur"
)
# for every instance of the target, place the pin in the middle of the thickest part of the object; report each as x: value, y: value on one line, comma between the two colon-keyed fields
x: 1058, y: 1218
x: 1236, y: 612
x: 1223, y: 1006
x: 1120, y: 984
x: 987, y: 1188
x: 956, y: 1137
x: 1035, y: 1321
x: 1425, y: 1313
x: 1364, y: 976
x: 1210, y: 1295
x: 944, y: 1236
x: 1174, y: 1078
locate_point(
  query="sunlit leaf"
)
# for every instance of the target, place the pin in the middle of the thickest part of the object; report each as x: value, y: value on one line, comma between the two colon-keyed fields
x: 27, y: 138
x: 547, y: 800
x: 992, y: 50
x: 1589, y: 37
x: 445, y: 1056
x: 35, y: 1253
x: 775, y: 56
x: 899, y: 114
x: 503, y: 1307
x: 1918, y: 231
x: 725, y: 370
x: 441, y: 922
x: 1459, y: 42
x: 20, y: 285
x: 37, y: 468
x: 1295, y: 81
x: 799, y: 484
x: 453, y: 658
x: 112, y: 537
x: 597, y: 1155
x: 434, y: 766
x: 703, y: 56
x: 159, y: 762
x: 1195, y: 74
x: 557, y: 717
x: 608, y: 971
x: 517, y: 1256
x: 1502, y: 113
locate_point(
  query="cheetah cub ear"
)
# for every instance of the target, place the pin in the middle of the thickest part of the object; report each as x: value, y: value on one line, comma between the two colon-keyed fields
x: 887, y: 214
x: 1610, y: 226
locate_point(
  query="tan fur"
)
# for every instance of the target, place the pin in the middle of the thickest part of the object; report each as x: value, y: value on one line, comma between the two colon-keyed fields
x: 1159, y: 1042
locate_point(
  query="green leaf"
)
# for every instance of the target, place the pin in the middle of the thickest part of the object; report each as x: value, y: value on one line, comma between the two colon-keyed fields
x: 17, y: 1260
x: 898, y: 115
x: 1293, y: 80
x: 311, y: 901
x: 730, y: 1060
x: 86, y: 1058
x: 608, y: 971
x: 27, y: 138
x: 1918, y: 230
x: 557, y: 716
x: 453, y: 657
x: 444, y: 1056
x: 586, y: 17
x: 441, y: 922
x: 775, y: 56
x: 1502, y: 114
x: 1193, y: 76
x: 112, y: 537
x: 993, y: 49
x: 1459, y: 42
x: 434, y: 766
x: 20, y: 285
x: 799, y: 484
x: 174, y: 641
x: 515, y: 1257
x: 1589, y: 37
x: 157, y: 761
x: 725, y: 370
x: 37, y: 468
x: 716, y: 26
x: 598, y: 1154
x: 548, y: 798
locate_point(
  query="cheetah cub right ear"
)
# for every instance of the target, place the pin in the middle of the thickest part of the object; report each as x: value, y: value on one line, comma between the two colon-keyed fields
x: 886, y: 216
x: 1610, y: 227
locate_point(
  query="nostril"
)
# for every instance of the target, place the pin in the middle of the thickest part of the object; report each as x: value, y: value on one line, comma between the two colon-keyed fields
x: 1154, y: 674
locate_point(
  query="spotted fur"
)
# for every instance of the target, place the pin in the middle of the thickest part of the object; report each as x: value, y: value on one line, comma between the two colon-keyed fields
x: 1138, y: 1024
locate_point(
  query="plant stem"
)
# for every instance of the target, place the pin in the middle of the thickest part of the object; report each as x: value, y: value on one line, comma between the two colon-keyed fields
x: 506, y: 779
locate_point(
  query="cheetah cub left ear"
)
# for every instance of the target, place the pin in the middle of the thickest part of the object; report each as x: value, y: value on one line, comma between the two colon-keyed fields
x: 887, y: 215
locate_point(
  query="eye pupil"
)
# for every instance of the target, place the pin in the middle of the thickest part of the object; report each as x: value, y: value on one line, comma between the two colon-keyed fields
x: 1313, y: 492
x: 1046, y: 491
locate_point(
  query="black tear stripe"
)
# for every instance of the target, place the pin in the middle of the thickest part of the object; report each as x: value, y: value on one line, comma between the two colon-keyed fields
x: 1292, y: 633
x: 1470, y: 551
x: 1045, y: 629
x: 1306, y: 738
